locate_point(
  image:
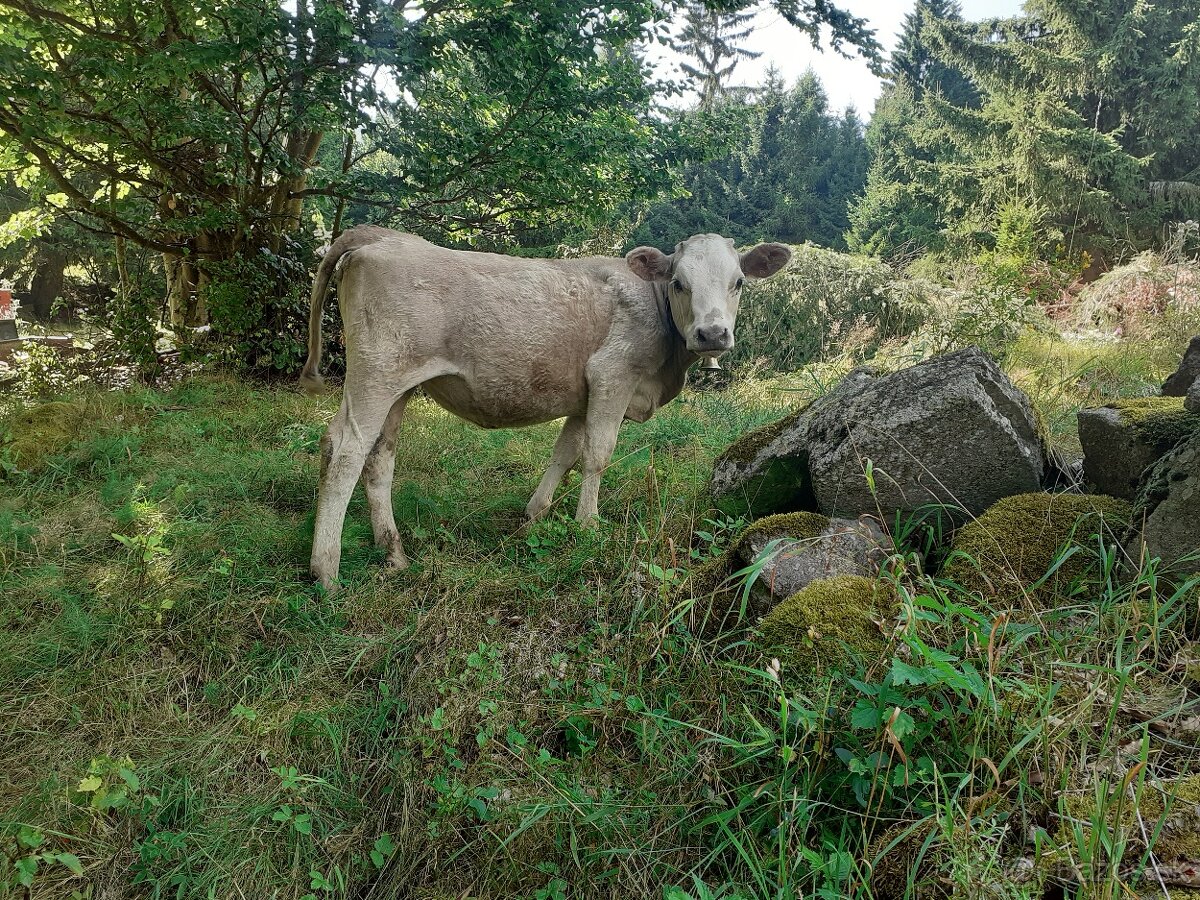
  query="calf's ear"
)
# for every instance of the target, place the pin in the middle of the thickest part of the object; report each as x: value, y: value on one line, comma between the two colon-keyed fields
x: 649, y: 263
x: 765, y: 259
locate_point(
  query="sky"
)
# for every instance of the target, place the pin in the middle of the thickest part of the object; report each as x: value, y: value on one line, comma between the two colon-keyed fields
x: 848, y: 82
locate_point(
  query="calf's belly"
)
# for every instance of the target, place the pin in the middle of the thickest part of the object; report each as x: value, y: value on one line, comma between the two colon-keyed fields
x: 495, y: 403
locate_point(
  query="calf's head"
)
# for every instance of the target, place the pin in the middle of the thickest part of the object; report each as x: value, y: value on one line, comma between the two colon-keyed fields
x: 704, y: 279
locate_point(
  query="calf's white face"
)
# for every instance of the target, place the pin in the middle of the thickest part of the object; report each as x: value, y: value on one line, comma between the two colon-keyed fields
x: 704, y: 279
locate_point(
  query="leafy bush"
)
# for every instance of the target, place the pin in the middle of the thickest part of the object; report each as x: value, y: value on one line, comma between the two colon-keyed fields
x: 259, y: 310
x: 826, y: 303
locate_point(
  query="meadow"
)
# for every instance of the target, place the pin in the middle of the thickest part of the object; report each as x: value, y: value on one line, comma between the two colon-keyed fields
x: 541, y: 711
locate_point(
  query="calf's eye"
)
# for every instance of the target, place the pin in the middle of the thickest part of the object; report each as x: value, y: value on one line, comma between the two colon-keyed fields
x: 739, y: 283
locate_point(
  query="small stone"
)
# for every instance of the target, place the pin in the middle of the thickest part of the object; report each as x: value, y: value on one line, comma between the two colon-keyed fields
x: 840, y: 547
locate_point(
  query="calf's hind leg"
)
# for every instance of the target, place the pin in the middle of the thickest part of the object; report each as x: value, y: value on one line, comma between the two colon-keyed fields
x: 344, y: 448
x: 377, y: 477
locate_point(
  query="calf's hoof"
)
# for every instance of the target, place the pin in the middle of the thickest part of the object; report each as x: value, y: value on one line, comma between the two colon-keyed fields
x: 325, y: 580
x: 396, y: 561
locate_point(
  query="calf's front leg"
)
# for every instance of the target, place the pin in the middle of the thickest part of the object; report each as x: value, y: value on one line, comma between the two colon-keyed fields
x: 566, y: 453
x: 606, y: 411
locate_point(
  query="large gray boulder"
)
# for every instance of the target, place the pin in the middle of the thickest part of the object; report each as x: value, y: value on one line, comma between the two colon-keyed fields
x: 1192, y: 401
x: 766, y: 470
x: 953, y: 430
x: 1179, y: 381
x: 1122, y: 439
x: 1166, y: 515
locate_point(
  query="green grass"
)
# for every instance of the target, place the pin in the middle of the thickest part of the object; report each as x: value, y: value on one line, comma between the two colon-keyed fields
x: 525, y: 713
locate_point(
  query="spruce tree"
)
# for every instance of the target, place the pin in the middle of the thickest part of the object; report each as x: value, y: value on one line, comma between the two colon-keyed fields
x: 903, y: 211
x: 711, y: 41
x: 1091, y: 110
x: 790, y: 176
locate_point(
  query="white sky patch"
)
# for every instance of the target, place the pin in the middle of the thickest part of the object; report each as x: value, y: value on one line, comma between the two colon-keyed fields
x: 848, y: 82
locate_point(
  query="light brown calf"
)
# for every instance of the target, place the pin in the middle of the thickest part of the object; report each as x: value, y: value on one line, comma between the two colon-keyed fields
x: 503, y: 342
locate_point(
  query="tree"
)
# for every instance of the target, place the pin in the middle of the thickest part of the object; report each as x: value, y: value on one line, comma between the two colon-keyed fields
x: 218, y: 134
x: 1090, y: 111
x: 712, y: 39
x: 789, y: 176
x: 903, y: 212
x: 914, y: 63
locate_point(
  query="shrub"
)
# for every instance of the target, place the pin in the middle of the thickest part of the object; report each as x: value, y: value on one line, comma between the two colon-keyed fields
x: 825, y: 303
x: 1135, y: 297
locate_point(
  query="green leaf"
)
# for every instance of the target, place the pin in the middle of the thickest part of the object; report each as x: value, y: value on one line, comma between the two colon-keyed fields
x: 864, y: 715
x: 71, y: 861
x: 903, y: 725
x: 89, y: 784
x: 903, y: 673
x: 26, y: 869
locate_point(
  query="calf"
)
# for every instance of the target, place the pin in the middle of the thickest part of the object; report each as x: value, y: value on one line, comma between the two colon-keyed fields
x: 503, y: 342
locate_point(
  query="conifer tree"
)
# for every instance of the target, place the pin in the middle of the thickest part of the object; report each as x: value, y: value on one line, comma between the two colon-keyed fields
x: 1091, y: 109
x: 789, y: 177
x: 902, y: 212
x: 712, y: 42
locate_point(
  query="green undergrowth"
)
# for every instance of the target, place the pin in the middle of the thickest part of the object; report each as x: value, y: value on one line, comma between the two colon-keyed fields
x: 527, y: 712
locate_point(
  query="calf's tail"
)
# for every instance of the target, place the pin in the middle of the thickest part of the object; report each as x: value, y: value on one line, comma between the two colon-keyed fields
x: 348, y: 242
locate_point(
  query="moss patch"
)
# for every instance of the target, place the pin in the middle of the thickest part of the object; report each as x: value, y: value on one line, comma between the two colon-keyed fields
x: 803, y: 526
x: 41, y: 431
x: 829, y: 624
x: 1174, y: 803
x: 1013, y: 545
x: 1161, y: 422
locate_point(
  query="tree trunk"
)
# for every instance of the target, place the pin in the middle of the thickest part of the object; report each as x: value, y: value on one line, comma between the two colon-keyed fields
x: 181, y: 290
x: 301, y: 148
x: 47, y: 281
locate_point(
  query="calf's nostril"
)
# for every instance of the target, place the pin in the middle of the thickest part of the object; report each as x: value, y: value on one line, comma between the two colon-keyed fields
x: 713, y: 335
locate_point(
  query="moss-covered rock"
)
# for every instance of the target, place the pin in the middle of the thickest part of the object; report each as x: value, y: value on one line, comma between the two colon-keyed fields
x: 1162, y: 420
x: 1174, y: 803
x: 1123, y: 438
x: 952, y: 430
x: 831, y: 624
x: 1007, y: 550
x: 766, y: 470
x: 1167, y: 513
x: 717, y: 597
x: 40, y: 431
x: 798, y: 526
